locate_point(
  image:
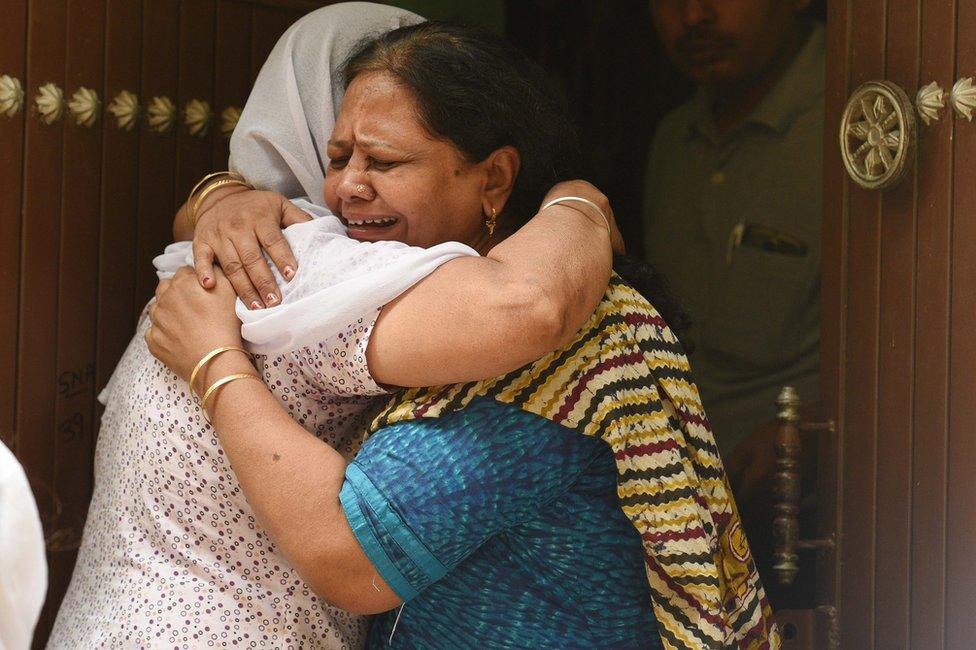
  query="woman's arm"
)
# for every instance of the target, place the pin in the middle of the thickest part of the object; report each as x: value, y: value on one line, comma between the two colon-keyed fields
x: 471, y: 319
x: 476, y: 318
x: 292, y: 481
x: 333, y: 522
x: 291, y: 478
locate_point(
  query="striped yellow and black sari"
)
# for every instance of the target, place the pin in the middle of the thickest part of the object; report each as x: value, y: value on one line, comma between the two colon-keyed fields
x: 626, y: 379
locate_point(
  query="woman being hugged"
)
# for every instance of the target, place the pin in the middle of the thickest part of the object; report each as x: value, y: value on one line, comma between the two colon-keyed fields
x: 577, y: 501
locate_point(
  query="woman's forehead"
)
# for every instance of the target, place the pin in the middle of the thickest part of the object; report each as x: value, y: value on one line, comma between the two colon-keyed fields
x: 376, y: 95
x: 378, y: 111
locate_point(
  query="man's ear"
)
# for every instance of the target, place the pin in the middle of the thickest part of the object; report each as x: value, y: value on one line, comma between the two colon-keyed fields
x: 502, y: 168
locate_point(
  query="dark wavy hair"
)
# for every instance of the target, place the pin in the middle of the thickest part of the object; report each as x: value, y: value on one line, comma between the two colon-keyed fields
x: 479, y: 92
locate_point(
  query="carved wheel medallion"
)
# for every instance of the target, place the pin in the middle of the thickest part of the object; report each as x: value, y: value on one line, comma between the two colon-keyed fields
x: 878, y: 135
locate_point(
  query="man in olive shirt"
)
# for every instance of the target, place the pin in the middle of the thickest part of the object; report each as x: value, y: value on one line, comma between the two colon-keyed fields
x: 732, y: 219
x: 733, y: 202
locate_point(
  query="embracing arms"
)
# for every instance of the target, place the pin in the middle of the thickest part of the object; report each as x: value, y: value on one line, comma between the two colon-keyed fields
x: 479, y: 317
x: 291, y: 478
x: 483, y: 317
x: 416, y: 502
x: 473, y: 318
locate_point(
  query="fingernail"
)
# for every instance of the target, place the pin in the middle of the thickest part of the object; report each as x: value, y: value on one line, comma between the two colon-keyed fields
x: 255, y: 305
x: 289, y: 272
x: 272, y: 299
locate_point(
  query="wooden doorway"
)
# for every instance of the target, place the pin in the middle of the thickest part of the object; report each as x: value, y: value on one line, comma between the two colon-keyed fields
x: 899, y: 356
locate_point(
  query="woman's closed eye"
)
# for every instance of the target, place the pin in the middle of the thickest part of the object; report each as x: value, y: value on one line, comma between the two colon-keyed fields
x: 382, y: 165
x: 372, y: 163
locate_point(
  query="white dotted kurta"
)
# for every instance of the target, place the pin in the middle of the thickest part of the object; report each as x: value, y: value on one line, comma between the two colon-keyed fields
x: 172, y: 556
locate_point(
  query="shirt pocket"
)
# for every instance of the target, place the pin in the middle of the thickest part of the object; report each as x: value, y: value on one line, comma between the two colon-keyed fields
x: 755, y: 305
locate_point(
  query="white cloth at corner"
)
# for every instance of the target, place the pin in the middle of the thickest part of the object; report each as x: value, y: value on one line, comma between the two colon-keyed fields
x: 23, y: 568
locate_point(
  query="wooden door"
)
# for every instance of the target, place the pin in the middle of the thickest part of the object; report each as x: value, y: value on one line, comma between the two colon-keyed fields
x: 86, y: 207
x: 899, y: 355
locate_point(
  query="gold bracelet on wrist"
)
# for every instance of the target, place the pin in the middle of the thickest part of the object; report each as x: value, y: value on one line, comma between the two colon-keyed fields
x: 192, y: 216
x: 209, y: 357
x: 206, y: 178
x: 222, y: 382
x: 200, y: 183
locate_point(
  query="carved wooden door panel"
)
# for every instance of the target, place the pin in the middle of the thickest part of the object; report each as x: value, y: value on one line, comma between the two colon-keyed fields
x: 899, y: 312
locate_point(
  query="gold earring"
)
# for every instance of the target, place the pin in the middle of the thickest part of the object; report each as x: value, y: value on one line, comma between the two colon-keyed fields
x: 491, y: 222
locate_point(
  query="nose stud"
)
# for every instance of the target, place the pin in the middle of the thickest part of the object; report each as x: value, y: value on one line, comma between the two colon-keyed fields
x: 364, y: 191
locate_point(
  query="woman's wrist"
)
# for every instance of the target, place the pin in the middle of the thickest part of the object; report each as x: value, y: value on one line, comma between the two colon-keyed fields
x: 584, y: 214
x: 184, y: 228
x: 584, y: 206
x: 207, y: 360
x: 215, y: 196
x: 593, y: 216
x: 233, y: 366
x: 229, y: 363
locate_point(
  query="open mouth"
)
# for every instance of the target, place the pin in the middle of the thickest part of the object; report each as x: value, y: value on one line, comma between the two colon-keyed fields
x: 370, y: 229
x: 371, y: 223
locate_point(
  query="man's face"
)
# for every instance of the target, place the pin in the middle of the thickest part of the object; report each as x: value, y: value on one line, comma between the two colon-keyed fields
x: 719, y: 42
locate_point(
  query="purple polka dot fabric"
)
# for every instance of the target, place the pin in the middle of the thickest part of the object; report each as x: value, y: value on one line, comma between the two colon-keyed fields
x: 172, y: 556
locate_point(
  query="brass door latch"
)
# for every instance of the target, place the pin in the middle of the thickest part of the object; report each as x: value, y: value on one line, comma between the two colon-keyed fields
x: 786, y: 488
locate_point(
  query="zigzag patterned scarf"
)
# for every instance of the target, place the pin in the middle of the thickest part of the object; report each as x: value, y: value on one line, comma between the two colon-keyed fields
x: 626, y: 379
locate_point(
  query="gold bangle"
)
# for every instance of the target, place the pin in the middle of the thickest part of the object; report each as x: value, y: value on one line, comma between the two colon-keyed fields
x: 208, y: 177
x: 207, y: 358
x: 221, y: 382
x: 192, y: 216
x: 189, y: 197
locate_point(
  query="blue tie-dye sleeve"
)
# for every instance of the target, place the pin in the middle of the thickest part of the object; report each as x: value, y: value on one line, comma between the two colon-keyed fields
x: 423, y: 495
